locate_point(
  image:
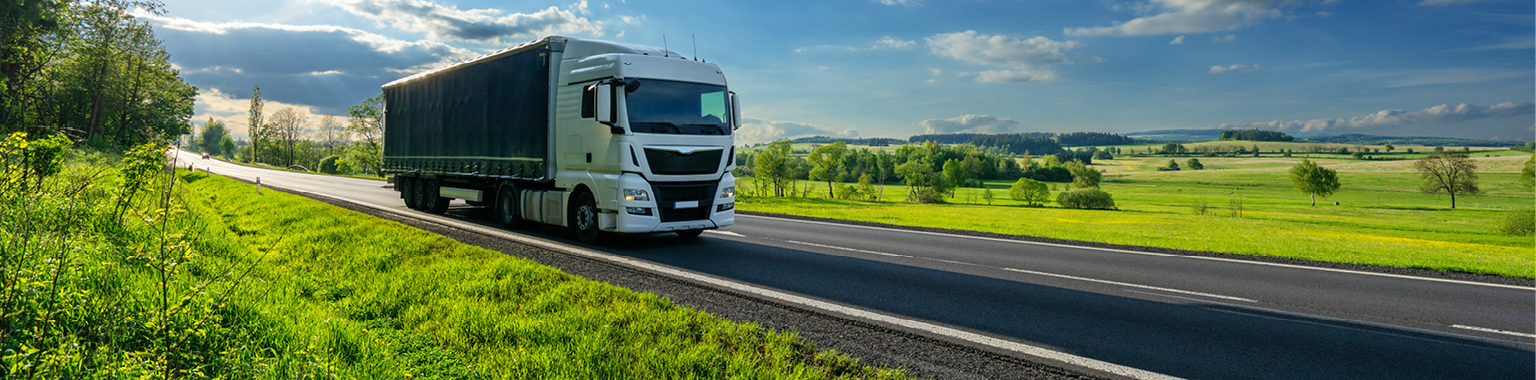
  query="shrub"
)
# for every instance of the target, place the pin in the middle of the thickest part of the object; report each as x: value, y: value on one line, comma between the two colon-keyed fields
x: 1052, y: 174
x: 927, y: 195
x: 328, y: 165
x: 1519, y: 222
x: 1093, y: 199
x: 1193, y: 164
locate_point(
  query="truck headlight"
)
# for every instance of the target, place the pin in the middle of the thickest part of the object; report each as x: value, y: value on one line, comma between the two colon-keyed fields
x: 728, y: 192
x: 636, y: 195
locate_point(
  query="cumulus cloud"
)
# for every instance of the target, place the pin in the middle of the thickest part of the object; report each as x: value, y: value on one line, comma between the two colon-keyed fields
x: 969, y: 124
x: 295, y: 64
x: 754, y: 130
x: 1023, y: 60
x: 234, y: 111
x: 1437, y: 116
x: 1219, y: 69
x: 474, y: 25
x: 1192, y: 16
x: 1177, y: 41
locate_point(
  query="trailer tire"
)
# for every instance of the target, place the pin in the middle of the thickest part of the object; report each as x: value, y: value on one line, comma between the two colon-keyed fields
x: 583, y: 218
x: 432, y: 200
x: 508, y: 210
x: 689, y: 234
x: 411, y: 192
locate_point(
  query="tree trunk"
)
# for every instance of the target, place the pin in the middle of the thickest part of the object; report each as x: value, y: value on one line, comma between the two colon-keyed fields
x: 1453, y: 200
x: 829, y: 190
x: 1314, y: 199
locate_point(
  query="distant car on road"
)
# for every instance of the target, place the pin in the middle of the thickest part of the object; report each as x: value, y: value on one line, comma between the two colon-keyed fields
x: 205, y: 156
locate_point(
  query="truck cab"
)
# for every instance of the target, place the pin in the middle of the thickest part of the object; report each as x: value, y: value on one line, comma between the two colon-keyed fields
x: 649, y: 134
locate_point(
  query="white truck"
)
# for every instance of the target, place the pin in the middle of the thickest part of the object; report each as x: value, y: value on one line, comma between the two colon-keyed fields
x: 594, y: 136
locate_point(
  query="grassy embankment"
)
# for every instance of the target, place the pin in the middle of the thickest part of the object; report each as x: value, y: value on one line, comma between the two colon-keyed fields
x: 209, y: 279
x: 1381, y: 219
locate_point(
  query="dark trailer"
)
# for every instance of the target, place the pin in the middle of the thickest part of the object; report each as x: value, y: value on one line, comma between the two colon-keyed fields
x: 489, y: 117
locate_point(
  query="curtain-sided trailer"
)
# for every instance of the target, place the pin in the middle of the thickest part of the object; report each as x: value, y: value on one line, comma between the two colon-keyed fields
x: 594, y: 136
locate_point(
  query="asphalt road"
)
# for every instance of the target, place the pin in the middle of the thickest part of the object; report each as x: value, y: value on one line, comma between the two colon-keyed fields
x: 1176, y: 315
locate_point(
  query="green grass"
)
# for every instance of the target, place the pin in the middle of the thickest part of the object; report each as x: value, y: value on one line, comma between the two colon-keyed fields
x: 1380, y: 220
x: 210, y: 279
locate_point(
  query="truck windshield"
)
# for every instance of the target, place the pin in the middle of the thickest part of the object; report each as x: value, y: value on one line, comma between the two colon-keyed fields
x: 663, y: 106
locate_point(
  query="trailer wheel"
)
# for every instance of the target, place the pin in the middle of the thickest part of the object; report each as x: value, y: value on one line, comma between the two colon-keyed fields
x: 507, y: 208
x: 432, y: 201
x: 411, y: 192
x: 583, y: 219
x: 689, y: 234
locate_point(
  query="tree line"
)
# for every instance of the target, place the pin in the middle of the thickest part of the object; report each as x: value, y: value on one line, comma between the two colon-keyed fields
x: 1255, y: 135
x: 89, y: 70
x: 930, y: 171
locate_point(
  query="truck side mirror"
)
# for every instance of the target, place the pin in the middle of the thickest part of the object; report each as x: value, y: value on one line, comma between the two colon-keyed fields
x: 604, y: 103
x: 735, y: 111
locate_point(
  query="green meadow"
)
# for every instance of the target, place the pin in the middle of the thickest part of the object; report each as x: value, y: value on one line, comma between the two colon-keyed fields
x: 1249, y: 208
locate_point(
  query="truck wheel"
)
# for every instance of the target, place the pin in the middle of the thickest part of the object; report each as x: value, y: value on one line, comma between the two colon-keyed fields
x: 507, y: 208
x: 583, y: 219
x: 411, y: 192
x: 689, y: 234
x: 432, y: 201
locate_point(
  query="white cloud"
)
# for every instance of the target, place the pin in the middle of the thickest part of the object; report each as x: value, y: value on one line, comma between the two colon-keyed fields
x: 1177, y: 41
x: 1452, y: 76
x: 1437, y: 115
x: 1192, y: 16
x: 632, y: 20
x: 1024, y: 60
x: 908, y: 3
x: 889, y: 42
x: 1520, y: 43
x: 1323, y: 14
x: 1219, y: 69
x: 474, y: 25
x: 754, y: 130
x: 969, y: 124
x: 1226, y: 38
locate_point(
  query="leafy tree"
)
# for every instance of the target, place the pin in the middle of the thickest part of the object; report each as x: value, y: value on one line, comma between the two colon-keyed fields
x: 772, y: 167
x: 1448, y: 172
x: 1314, y: 180
x: 1171, y: 166
x: 1193, y: 164
x: 1083, y: 176
x: 986, y: 195
x: 828, y: 162
x: 212, y: 138
x: 1090, y: 198
x: 1031, y: 192
x: 255, y: 124
x: 1528, y: 173
x: 290, y: 126
x: 923, y: 185
x: 227, y: 146
x: 867, y: 187
x: 1390, y: 147
x: 954, y: 175
x: 1409, y: 150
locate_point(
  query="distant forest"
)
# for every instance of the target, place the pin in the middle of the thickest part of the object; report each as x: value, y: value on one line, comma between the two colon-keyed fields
x: 1255, y: 135
x: 1359, y: 139
x: 873, y: 141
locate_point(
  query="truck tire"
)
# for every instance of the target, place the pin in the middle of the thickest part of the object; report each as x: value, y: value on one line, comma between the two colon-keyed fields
x: 508, y: 210
x: 689, y: 234
x: 412, y: 193
x: 431, y: 200
x: 583, y: 219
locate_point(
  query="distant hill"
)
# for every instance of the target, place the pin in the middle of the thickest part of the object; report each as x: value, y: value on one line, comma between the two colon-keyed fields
x: 1356, y: 138
x: 873, y: 141
x: 1178, y: 135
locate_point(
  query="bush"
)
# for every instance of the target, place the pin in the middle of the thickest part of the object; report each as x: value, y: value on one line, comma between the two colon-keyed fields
x: 1193, y: 164
x: 927, y: 194
x: 1519, y: 222
x: 1093, y: 199
x: 1052, y: 174
x: 328, y: 165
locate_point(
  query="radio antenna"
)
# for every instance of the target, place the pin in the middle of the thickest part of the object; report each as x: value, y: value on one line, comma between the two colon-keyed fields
x: 695, y: 46
x: 664, y: 50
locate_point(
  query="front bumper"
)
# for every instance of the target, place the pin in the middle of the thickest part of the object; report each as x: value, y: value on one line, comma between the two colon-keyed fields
x: 721, y: 211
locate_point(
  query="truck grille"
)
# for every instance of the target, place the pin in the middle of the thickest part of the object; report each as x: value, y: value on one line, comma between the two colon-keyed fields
x: 677, y: 163
x: 668, y: 194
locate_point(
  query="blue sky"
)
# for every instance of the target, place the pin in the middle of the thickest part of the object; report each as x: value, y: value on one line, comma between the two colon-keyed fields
x: 894, y: 68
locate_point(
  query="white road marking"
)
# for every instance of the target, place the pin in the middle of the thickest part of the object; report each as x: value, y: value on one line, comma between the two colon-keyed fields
x: 1388, y: 325
x: 726, y: 233
x: 1495, y: 331
x: 1020, y: 348
x: 1116, y: 283
x: 1146, y: 253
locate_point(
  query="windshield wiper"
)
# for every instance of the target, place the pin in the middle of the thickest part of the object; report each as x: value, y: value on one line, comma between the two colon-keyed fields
x: 671, y: 128
x: 713, y: 128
